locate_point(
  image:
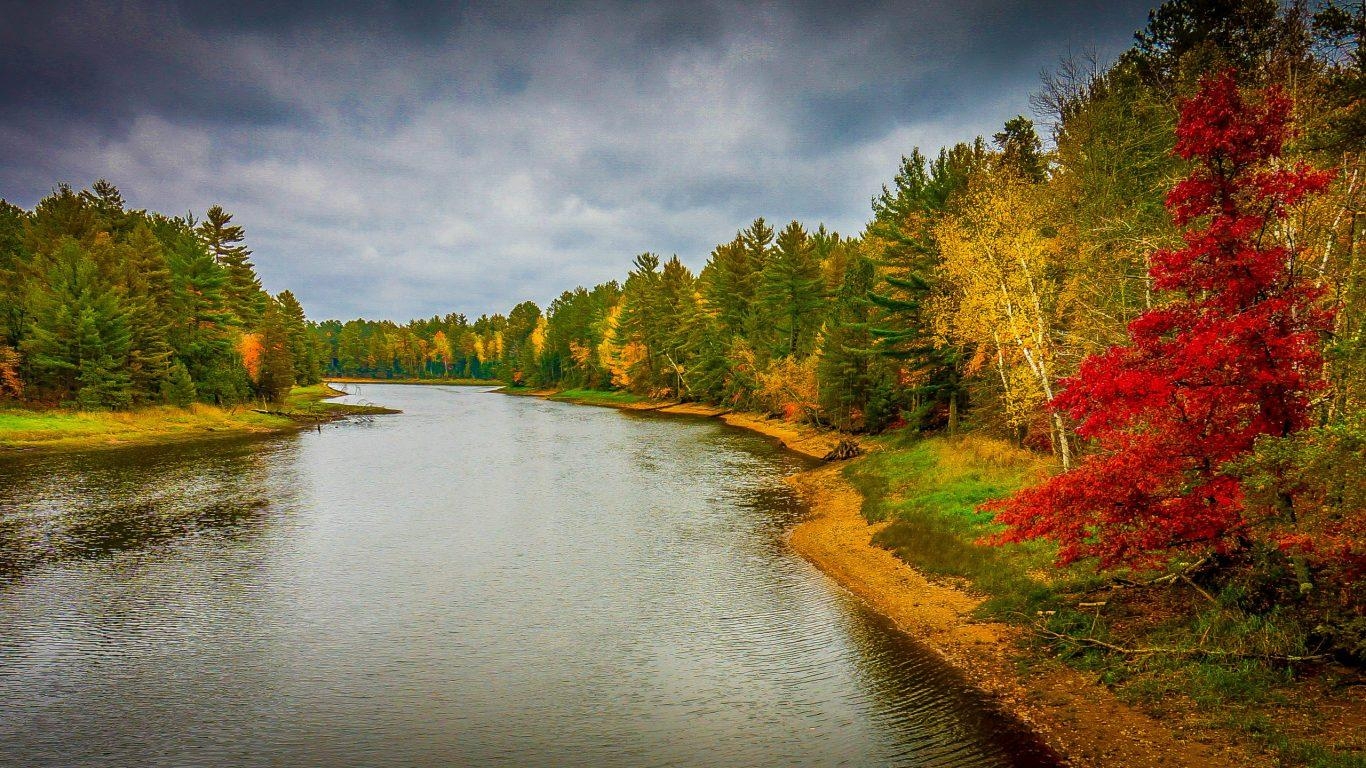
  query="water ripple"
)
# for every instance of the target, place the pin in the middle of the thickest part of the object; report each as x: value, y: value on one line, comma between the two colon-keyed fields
x: 482, y: 581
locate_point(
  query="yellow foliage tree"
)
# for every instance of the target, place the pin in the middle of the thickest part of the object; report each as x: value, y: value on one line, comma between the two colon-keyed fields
x: 1004, y: 258
x: 537, y: 339
x: 440, y: 351
x: 788, y: 387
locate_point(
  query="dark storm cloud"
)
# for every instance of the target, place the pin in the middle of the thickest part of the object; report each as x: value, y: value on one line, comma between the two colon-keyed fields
x: 400, y: 159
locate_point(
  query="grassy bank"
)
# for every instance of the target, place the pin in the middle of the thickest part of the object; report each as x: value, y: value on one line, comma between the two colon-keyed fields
x: 1217, y: 675
x: 447, y: 382
x: 62, y: 429
x: 315, y: 402
x: 599, y: 397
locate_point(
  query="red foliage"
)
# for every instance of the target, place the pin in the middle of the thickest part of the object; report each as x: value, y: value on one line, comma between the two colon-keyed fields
x: 1233, y: 356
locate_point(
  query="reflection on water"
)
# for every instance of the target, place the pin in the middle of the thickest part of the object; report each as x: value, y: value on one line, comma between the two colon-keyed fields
x: 482, y: 580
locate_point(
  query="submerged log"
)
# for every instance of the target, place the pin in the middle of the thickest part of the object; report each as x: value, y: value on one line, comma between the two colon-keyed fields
x: 846, y: 449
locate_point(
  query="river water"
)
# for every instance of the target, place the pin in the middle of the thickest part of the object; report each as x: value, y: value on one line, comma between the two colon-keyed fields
x: 480, y: 581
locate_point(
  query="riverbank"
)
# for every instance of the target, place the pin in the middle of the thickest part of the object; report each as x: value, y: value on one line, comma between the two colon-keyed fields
x: 434, y: 382
x: 1075, y: 715
x: 25, y: 429
x: 975, y: 606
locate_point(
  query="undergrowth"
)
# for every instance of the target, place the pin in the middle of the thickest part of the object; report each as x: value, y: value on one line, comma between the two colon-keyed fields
x: 1219, y: 635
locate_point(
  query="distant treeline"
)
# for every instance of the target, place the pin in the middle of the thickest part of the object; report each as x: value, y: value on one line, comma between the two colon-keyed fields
x: 105, y: 307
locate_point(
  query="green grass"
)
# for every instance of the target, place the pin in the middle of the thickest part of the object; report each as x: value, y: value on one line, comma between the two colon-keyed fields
x: 60, y: 428
x: 448, y: 382
x: 64, y: 429
x: 930, y: 491
x: 598, y: 397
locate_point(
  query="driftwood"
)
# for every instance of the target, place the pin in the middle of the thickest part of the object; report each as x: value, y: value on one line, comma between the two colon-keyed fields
x: 846, y: 449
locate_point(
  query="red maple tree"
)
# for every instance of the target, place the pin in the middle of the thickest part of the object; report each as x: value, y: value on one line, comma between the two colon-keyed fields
x: 1233, y: 356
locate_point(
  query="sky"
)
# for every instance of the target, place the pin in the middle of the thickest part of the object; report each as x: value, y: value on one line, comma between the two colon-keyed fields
x: 400, y: 160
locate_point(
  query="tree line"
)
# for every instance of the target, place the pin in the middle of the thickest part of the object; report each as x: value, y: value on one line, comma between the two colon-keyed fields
x: 1198, y: 202
x: 103, y: 307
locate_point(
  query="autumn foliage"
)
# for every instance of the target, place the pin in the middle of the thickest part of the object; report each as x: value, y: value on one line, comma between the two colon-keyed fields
x: 10, y: 383
x: 1232, y: 356
x: 250, y: 347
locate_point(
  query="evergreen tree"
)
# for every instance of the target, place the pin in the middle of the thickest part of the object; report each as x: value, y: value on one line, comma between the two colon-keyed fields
x: 731, y: 280
x: 1204, y: 35
x: 850, y: 373
x: 177, y: 388
x: 1021, y: 149
x: 78, y: 336
x: 276, y: 375
x: 242, y: 288
x: 202, y: 331
x: 757, y: 244
x: 790, y: 292
x: 107, y: 203
x: 146, y: 284
x: 14, y: 255
x: 900, y: 240
x: 307, y: 364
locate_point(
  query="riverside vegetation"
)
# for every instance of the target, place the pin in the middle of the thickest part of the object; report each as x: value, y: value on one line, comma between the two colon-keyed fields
x: 1115, y: 386
x: 121, y: 326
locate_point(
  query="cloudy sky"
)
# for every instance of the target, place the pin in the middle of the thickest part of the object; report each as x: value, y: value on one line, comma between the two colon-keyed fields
x: 397, y: 160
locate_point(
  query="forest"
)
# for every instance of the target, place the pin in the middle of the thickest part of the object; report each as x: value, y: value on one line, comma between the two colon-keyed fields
x: 102, y: 307
x: 1167, y: 296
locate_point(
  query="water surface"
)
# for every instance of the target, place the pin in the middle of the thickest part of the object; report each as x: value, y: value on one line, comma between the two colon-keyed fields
x: 480, y: 581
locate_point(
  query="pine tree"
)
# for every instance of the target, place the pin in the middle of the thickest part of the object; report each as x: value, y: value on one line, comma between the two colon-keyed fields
x: 757, y: 245
x: 78, y: 337
x: 146, y: 284
x: 14, y: 255
x: 177, y: 388
x: 791, y: 292
x: 849, y: 372
x: 243, y: 288
x: 107, y: 203
x: 640, y: 320
x: 1021, y: 150
x: 201, y: 328
x: 276, y: 375
x: 307, y: 365
x: 730, y: 280
x: 1215, y: 33
x: 900, y: 241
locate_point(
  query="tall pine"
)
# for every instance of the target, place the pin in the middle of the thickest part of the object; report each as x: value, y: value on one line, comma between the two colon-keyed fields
x: 242, y: 288
x: 791, y: 293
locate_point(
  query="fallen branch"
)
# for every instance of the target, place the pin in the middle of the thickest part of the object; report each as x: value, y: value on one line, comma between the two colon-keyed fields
x: 1167, y: 578
x: 1091, y: 642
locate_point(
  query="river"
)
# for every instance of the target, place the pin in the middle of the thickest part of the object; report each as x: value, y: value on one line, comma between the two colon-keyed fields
x: 481, y: 580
